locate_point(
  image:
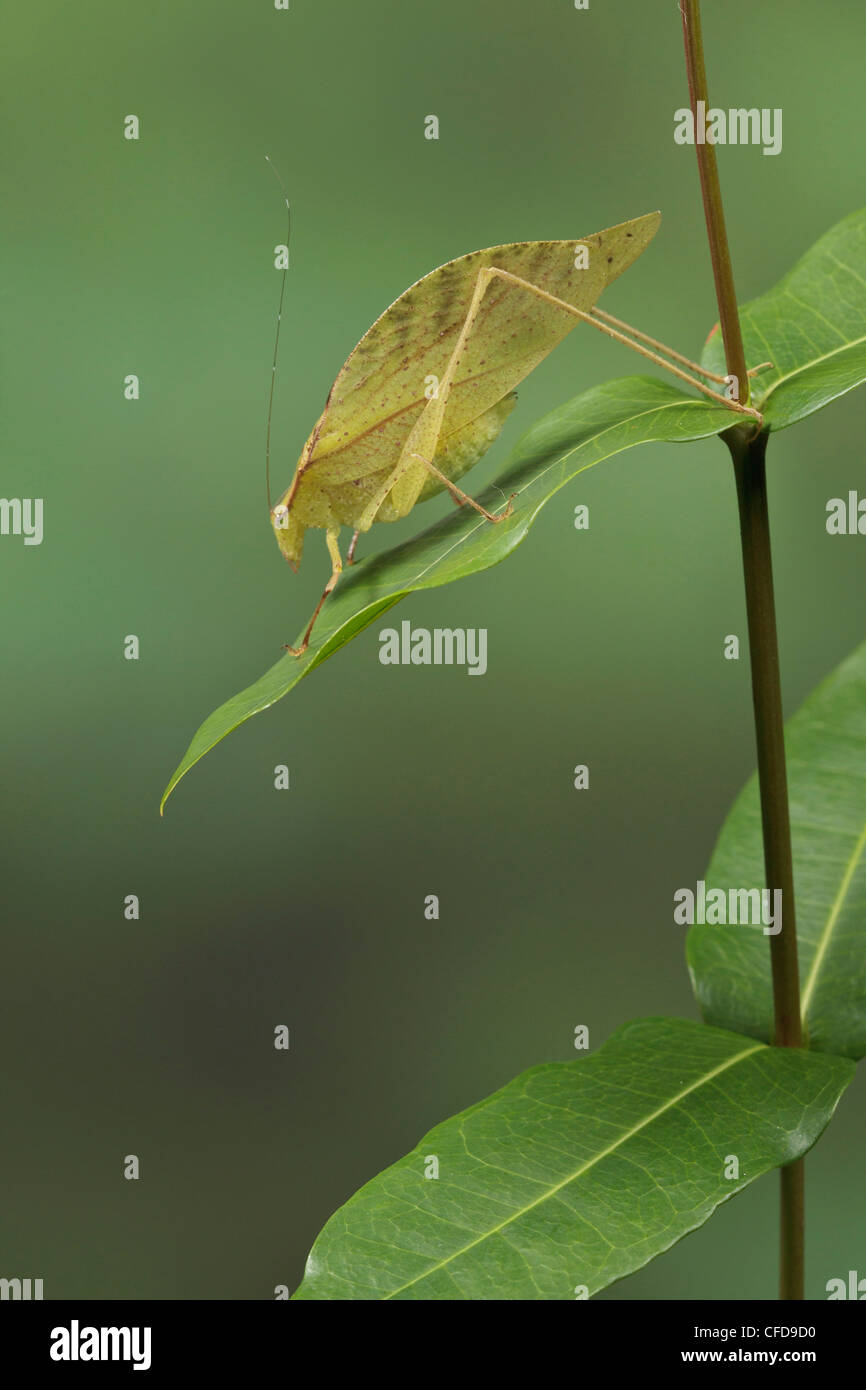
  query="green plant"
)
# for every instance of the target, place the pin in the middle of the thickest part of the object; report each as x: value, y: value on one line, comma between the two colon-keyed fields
x: 578, y: 1173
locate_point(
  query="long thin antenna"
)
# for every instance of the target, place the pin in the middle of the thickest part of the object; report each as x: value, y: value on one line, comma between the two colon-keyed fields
x: 277, y: 334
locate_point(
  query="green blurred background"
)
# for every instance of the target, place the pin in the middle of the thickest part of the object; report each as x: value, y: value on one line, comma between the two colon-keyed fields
x: 306, y: 908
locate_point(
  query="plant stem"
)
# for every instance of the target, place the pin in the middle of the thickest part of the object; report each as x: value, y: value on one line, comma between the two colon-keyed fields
x: 751, y: 475
x: 748, y: 450
x: 713, y: 209
x: 792, y: 1204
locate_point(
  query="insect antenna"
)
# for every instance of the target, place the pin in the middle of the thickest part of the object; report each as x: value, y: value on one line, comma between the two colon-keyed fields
x: 277, y: 333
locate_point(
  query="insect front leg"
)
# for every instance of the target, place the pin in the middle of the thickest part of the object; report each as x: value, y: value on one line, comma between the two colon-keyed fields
x: 332, y: 540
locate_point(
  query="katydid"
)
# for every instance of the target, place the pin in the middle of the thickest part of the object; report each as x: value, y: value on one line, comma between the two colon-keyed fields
x: 428, y: 388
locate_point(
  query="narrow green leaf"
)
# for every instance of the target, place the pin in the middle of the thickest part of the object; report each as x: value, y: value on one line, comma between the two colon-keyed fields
x: 595, y: 425
x: 578, y: 1173
x: 811, y: 326
x: 730, y: 965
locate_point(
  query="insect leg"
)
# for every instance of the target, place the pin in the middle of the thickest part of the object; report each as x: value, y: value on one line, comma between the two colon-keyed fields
x: 669, y: 352
x: 621, y: 337
x: 350, y: 553
x: 332, y: 540
x: 460, y: 497
x: 662, y: 347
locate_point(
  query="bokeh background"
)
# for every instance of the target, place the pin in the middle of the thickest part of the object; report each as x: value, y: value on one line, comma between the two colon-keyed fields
x: 306, y: 908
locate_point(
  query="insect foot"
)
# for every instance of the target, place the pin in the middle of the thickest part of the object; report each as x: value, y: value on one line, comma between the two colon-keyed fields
x: 509, y: 508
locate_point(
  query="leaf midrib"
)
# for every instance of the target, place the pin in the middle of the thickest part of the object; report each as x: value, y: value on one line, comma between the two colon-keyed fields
x: 814, y: 362
x: 579, y: 1172
x: 830, y: 924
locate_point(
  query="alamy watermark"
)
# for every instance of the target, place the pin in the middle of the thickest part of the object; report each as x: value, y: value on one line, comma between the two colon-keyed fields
x: 854, y: 1288
x: 736, y: 907
x: 444, y: 646
x: 737, y: 126
x: 22, y: 516
x: 846, y: 517
x: 24, y: 1290
x: 76, y: 1343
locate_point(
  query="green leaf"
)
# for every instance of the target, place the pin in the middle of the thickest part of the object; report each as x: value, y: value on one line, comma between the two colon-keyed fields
x: 578, y: 1173
x: 592, y: 427
x: 730, y: 965
x: 812, y: 327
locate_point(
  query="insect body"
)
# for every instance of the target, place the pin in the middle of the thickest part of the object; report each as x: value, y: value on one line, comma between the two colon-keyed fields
x: 428, y: 388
